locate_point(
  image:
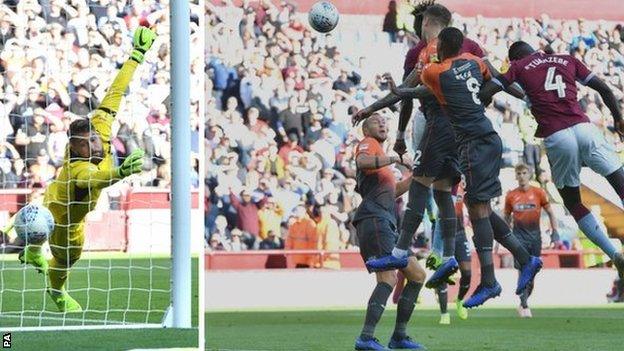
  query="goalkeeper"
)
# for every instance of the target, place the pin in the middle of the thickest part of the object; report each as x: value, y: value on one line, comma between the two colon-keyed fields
x: 87, y: 169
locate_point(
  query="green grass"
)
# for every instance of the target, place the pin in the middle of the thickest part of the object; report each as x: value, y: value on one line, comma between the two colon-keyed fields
x: 101, y: 285
x: 486, y: 329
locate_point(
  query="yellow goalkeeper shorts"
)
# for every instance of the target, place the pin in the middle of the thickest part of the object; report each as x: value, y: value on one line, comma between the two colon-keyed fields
x: 66, y: 245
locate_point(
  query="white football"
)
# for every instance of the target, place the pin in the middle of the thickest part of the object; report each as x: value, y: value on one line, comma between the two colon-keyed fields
x: 323, y: 16
x: 34, y: 224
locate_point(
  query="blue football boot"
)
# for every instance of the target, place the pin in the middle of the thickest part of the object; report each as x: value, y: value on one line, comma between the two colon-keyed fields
x: 372, y: 344
x: 405, y: 344
x: 386, y: 263
x: 527, y: 273
x: 482, y: 294
x: 441, y: 275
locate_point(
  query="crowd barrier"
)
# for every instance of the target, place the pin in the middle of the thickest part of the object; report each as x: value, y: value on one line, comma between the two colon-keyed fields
x: 349, y: 259
x: 137, y: 220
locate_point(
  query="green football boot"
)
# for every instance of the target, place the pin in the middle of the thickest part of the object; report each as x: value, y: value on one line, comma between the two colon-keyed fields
x: 33, y: 256
x: 64, y: 302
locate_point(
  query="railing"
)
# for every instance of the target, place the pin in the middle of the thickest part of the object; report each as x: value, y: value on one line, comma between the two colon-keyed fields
x: 349, y: 259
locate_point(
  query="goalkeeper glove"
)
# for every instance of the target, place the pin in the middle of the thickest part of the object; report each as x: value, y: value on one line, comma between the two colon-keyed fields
x: 132, y: 164
x: 142, y: 41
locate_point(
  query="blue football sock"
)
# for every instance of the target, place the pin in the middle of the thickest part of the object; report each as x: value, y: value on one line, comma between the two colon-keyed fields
x: 591, y: 228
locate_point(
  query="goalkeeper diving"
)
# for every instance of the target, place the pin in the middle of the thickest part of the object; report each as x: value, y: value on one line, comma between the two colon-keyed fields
x: 87, y: 169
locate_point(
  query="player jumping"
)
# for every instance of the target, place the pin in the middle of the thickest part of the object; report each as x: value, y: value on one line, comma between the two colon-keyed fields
x: 462, y: 255
x: 375, y: 223
x: 436, y: 160
x: 525, y: 204
x: 455, y: 82
x: 87, y: 169
x: 570, y: 139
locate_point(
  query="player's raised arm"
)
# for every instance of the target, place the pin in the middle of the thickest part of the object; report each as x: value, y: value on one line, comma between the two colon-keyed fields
x: 390, y: 99
x: 410, y: 80
x: 105, y: 113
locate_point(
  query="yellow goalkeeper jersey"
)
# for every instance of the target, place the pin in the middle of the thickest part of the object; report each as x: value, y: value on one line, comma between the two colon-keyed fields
x: 77, y: 188
x: 75, y: 192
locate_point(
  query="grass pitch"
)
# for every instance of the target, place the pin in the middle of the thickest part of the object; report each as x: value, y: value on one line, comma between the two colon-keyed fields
x: 550, y: 329
x: 102, y: 286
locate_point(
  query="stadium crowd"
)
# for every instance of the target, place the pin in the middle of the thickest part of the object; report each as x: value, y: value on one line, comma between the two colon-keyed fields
x: 57, y: 57
x: 279, y: 143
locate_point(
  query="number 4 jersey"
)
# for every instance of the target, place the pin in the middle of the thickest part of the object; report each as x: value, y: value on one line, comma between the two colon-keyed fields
x: 456, y: 83
x: 549, y: 82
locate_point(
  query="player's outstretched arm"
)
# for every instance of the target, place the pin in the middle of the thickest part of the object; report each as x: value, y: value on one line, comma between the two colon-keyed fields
x: 405, y: 114
x: 390, y: 99
x: 419, y: 92
x: 104, y: 115
x: 407, y: 106
x: 141, y: 42
x: 90, y: 176
x: 609, y: 99
x: 386, y: 101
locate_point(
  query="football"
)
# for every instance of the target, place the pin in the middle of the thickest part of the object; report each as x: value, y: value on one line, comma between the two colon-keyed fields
x: 323, y: 16
x: 34, y: 224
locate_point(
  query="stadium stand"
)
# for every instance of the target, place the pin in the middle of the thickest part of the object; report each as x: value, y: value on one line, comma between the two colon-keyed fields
x: 278, y: 111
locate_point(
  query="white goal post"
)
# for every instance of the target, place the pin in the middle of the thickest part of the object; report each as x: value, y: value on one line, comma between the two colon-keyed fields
x: 181, y: 181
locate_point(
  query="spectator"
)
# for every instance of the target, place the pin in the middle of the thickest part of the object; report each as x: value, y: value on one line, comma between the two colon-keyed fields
x: 291, y: 120
x: 325, y: 148
x: 328, y: 234
x: 220, y: 227
x: 272, y: 242
x: 32, y: 138
x: 289, y: 147
x: 246, y: 212
x: 343, y: 83
x: 270, y: 217
x: 302, y: 236
x: 237, y: 244
x: 390, y: 22
x: 217, y: 243
x: 273, y: 163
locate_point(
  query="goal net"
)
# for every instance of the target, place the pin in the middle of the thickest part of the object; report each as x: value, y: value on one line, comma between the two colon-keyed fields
x: 57, y: 60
